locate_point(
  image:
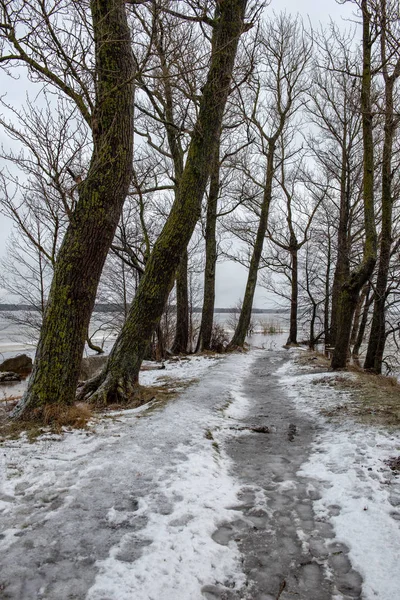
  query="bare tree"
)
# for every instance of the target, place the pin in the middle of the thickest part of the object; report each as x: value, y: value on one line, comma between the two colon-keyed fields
x: 334, y: 107
x: 353, y: 284
x: 389, y: 18
x: 275, y: 93
x: 33, y: 35
x: 119, y: 379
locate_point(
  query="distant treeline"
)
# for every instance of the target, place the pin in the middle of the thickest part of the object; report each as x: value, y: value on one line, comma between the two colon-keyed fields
x: 104, y: 308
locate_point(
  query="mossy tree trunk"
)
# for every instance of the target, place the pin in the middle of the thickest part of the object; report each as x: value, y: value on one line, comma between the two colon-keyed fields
x: 166, y: 113
x: 351, y: 288
x: 92, y: 226
x: 119, y: 380
x: 207, y: 314
x: 377, y: 337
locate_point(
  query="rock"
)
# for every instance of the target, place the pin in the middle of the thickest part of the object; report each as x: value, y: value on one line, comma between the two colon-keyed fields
x: 91, y: 366
x: 18, y: 364
x: 9, y: 376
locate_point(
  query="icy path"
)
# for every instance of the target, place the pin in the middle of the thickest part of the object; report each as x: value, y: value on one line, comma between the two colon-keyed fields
x: 359, y: 494
x: 322, y: 505
x: 127, y: 512
x: 190, y: 501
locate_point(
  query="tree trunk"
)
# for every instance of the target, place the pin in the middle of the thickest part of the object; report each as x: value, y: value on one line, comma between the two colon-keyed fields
x: 377, y: 338
x: 347, y: 306
x: 342, y: 267
x: 207, y: 314
x: 181, y: 340
x: 92, y: 227
x: 119, y: 379
x: 357, y: 315
x: 312, y: 326
x: 363, y: 323
x: 245, y: 314
x: 292, y: 339
x: 350, y: 290
x: 160, y: 347
x: 327, y: 335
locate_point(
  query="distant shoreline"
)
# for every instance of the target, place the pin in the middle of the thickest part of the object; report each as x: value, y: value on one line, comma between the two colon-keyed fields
x: 105, y: 308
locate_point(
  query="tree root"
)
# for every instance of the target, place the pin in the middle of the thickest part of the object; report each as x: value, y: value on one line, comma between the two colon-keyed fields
x: 104, y: 389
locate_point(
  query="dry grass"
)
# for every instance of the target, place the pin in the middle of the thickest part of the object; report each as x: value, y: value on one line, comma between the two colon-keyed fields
x: 57, y: 417
x: 167, y: 388
x: 371, y: 399
x: 50, y: 418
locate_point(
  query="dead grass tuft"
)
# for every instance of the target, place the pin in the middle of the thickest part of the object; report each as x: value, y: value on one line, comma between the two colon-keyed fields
x: 49, y: 419
x: 57, y: 417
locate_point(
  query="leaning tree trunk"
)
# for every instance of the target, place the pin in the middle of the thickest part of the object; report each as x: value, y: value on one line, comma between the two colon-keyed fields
x: 207, y: 314
x: 351, y: 288
x: 181, y: 341
x: 358, y: 314
x: 245, y: 314
x: 119, y: 380
x: 92, y: 226
x: 292, y: 339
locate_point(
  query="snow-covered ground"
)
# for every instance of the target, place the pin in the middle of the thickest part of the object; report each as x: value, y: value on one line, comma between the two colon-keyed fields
x: 129, y: 508
x: 174, y: 489
x: 360, y: 493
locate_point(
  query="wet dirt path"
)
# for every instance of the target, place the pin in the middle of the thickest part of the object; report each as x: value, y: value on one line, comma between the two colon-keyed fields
x: 287, y: 553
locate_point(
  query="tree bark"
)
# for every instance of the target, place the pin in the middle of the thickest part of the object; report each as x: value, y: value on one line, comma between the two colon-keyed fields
x: 342, y: 267
x: 358, y: 314
x: 377, y: 337
x: 91, y: 230
x: 363, y: 323
x: 311, y: 344
x: 351, y: 288
x: 245, y: 314
x: 327, y: 333
x: 292, y: 339
x: 119, y: 380
x: 207, y: 314
x: 180, y: 344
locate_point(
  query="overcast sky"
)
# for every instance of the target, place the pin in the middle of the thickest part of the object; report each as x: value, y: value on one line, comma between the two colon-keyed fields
x: 231, y: 278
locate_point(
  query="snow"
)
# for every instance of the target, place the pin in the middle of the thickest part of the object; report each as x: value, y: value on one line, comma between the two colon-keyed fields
x: 196, y: 495
x: 136, y: 500
x: 180, y: 481
x: 360, y: 494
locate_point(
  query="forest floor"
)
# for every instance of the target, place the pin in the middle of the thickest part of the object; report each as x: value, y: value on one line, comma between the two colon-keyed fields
x: 257, y: 476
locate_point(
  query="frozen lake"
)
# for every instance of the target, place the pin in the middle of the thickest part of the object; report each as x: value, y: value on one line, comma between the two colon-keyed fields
x: 15, y: 339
